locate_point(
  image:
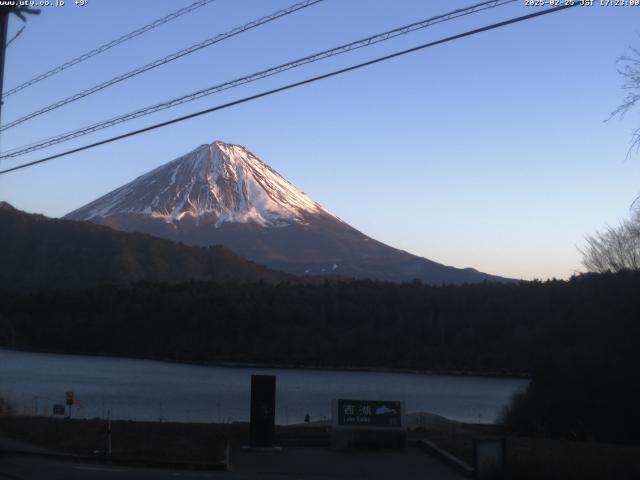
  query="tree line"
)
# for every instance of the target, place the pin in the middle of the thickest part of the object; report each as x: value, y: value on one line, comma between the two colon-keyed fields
x: 578, y: 338
x: 480, y: 327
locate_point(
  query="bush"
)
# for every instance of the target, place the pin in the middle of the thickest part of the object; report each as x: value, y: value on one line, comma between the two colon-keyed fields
x: 591, y: 398
x: 7, y: 406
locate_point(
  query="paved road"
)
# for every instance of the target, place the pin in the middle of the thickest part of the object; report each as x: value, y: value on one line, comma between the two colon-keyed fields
x: 15, y: 467
x: 321, y: 464
x: 292, y: 463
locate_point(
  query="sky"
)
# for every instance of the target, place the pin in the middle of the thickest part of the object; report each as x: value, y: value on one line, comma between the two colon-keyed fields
x: 489, y: 152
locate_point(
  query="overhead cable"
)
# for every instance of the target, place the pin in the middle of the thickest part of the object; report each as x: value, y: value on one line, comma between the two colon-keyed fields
x: 107, y: 46
x: 365, y: 42
x: 162, y: 61
x: 293, y: 85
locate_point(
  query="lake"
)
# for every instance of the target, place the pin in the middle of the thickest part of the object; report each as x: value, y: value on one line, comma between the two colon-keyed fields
x: 152, y: 390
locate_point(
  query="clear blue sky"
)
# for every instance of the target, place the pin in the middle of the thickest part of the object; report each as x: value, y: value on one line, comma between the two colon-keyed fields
x: 489, y: 152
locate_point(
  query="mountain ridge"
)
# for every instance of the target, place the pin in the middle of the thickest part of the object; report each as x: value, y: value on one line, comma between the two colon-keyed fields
x: 37, y: 252
x: 223, y: 194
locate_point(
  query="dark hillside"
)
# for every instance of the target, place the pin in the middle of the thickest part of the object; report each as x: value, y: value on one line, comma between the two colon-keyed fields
x: 37, y: 252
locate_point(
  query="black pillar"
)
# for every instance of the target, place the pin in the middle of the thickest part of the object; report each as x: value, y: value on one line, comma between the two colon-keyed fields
x: 263, y: 410
x: 4, y: 27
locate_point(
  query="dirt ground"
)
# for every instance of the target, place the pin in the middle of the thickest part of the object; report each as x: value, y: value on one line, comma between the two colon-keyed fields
x: 527, y: 458
x: 169, y: 441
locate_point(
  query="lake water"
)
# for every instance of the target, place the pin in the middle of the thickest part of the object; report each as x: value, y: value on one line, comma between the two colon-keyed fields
x: 151, y: 390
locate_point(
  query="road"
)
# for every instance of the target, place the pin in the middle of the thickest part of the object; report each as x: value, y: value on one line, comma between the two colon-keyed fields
x: 292, y: 463
x: 18, y: 467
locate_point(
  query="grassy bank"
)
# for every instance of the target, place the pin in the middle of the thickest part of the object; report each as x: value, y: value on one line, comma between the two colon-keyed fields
x: 159, y: 441
x: 137, y: 440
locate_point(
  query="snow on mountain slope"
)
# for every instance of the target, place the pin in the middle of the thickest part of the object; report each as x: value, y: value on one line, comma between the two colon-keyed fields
x: 221, y: 180
x: 222, y: 194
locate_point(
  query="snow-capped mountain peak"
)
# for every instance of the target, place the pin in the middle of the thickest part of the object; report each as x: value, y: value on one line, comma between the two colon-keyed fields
x: 223, y: 181
x: 222, y: 194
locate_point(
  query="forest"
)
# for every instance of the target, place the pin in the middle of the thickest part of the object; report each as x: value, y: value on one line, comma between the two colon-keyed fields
x: 577, y: 338
x: 504, y: 328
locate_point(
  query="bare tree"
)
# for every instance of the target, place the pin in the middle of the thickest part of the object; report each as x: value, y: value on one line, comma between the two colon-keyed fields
x: 615, y: 249
x: 630, y: 73
x: 618, y: 248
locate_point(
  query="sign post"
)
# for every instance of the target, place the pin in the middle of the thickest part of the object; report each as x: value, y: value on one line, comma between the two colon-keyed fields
x: 69, y: 397
x: 368, y: 424
x: 107, y: 438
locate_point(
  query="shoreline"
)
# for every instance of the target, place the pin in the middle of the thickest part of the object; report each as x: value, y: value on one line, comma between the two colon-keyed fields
x: 235, y: 364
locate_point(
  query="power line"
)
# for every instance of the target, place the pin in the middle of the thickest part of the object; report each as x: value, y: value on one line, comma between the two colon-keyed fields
x: 169, y: 58
x: 19, y: 151
x: 296, y: 84
x: 109, y: 45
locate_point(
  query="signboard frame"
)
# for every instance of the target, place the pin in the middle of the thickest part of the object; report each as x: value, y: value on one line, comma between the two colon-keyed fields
x: 337, y: 415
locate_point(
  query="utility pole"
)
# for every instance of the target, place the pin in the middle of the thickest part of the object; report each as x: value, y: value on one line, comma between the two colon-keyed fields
x: 4, y: 27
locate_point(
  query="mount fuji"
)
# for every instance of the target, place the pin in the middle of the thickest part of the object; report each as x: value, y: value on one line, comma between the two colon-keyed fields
x: 223, y: 194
